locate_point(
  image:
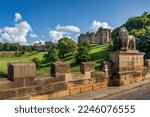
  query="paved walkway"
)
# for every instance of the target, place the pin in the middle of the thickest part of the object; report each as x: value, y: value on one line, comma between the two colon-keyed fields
x: 106, y: 92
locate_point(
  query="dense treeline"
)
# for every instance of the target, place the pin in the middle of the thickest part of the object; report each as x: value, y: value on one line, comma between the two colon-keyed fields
x: 16, y: 47
x: 139, y: 27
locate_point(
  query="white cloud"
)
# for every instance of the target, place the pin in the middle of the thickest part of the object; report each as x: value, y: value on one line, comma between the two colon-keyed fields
x: 18, y: 17
x: 33, y: 35
x: 56, y: 35
x: 16, y: 34
x: 43, y: 42
x: 70, y: 28
x: 98, y: 24
x: 63, y: 31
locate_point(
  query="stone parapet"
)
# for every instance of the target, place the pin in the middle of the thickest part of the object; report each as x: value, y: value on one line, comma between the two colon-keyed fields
x: 22, y: 73
x: 60, y: 67
x: 87, y: 67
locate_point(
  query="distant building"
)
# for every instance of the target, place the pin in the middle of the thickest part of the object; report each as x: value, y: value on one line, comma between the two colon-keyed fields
x: 102, y: 36
x: 40, y: 46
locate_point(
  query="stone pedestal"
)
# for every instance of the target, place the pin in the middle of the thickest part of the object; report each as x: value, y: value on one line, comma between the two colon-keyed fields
x: 127, y: 66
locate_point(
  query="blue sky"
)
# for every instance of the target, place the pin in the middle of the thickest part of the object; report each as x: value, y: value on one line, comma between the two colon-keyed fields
x: 28, y: 21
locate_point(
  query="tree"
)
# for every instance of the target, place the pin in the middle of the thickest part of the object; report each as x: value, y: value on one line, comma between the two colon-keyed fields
x: 14, y: 46
x: 82, y: 54
x: 1, y: 46
x: 139, y: 27
x: 6, y: 47
x: 37, y: 62
x: 66, y: 46
x: 87, y: 44
x: 53, y: 52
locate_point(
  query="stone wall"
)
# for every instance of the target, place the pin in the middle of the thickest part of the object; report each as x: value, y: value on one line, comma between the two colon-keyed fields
x: 23, y: 84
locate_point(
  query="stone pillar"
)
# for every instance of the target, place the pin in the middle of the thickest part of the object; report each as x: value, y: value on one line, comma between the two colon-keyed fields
x: 87, y: 67
x: 22, y: 73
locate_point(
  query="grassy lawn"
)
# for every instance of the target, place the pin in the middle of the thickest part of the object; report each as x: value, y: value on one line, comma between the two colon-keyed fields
x: 98, y: 54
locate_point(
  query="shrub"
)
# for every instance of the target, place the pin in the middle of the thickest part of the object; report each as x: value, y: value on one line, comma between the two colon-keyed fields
x: 37, y: 62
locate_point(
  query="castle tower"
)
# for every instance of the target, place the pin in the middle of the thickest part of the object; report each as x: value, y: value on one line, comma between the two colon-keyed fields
x: 102, y: 36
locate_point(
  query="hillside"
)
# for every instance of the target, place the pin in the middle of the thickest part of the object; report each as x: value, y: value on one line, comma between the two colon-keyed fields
x: 98, y: 54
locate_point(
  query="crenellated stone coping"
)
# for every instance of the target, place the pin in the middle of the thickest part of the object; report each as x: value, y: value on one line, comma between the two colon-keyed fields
x: 22, y: 83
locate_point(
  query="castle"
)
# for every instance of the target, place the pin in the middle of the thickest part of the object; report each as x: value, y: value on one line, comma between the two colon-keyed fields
x: 102, y: 36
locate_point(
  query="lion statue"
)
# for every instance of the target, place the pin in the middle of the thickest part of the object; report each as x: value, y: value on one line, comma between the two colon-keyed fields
x: 128, y: 41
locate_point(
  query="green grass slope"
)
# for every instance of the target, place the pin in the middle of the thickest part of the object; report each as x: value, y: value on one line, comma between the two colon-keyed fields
x: 98, y: 54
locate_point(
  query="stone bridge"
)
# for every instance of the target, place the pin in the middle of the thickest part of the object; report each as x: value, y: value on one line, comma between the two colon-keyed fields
x: 23, y: 84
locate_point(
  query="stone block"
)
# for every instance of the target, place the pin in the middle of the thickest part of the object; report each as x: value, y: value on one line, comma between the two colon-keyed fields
x: 78, y: 83
x: 53, y: 87
x: 77, y: 76
x: 5, y: 84
x: 22, y: 73
x: 53, y: 95
x: 126, y: 61
x: 60, y: 67
x: 86, y: 88
x: 23, y: 91
x: 8, y: 94
x: 21, y: 69
x: 97, y: 86
x: 87, y: 67
x: 147, y: 63
x: 40, y: 97
x: 49, y: 79
x: 47, y: 88
x: 63, y: 93
x: 104, y: 84
x: 74, y: 90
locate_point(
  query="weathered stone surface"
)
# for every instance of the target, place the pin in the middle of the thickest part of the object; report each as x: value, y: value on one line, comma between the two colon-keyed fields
x: 86, y: 88
x: 21, y: 69
x: 97, y: 86
x: 127, y: 78
x: 29, y: 90
x: 74, y: 90
x: 53, y: 87
x: 105, y: 84
x: 45, y: 80
x: 22, y: 73
x: 60, y: 67
x: 77, y: 76
x: 40, y: 97
x: 87, y: 67
x: 78, y: 83
x: 63, y: 93
x: 126, y: 61
x: 8, y: 94
x: 146, y: 72
x: 5, y: 84
x: 147, y: 63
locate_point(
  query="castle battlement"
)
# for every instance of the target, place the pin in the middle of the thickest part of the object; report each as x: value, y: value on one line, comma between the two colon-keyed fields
x: 102, y: 36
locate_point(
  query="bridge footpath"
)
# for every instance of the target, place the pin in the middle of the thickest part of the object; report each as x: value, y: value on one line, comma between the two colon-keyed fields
x: 106, y: 92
